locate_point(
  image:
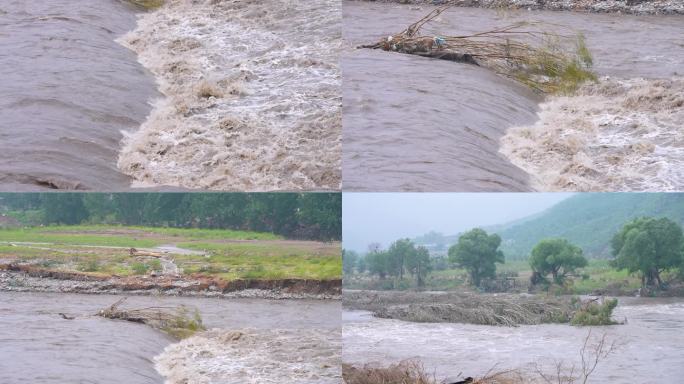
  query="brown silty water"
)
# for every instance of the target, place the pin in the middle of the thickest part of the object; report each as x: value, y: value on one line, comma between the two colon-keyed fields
x: 648, y: 346
x: 38, y: 346
x: 418, y: 124
x: 239, y: 95
x: 68, y: 91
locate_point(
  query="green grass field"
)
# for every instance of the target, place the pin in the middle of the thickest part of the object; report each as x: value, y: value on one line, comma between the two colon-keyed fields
x: 226, y: 254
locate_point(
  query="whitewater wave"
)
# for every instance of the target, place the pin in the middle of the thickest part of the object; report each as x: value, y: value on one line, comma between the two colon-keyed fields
x: 255, y: 356
x: 253, y: 98
x: 615, y: 135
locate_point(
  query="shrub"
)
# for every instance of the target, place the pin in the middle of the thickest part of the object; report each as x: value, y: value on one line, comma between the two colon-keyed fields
x: 89, y: 266
x: 140, y: 268
x: 593, y: 313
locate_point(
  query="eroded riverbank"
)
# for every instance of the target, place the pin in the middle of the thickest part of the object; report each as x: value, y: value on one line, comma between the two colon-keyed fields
x: 29, y: 278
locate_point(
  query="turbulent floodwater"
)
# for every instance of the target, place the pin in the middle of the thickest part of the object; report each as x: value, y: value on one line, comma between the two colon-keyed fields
x: 649, y: 346
x: 68, y: 90
x: 38, y: 346
x: 250, y: 95
x: 253, y: 96
x: 412, y: 123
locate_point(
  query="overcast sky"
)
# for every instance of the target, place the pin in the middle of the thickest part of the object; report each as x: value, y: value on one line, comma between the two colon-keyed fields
x: 385, y: 217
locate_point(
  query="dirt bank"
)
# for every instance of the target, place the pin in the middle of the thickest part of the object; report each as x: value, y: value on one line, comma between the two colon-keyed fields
x: 638, y: 7
x: 28, y: 278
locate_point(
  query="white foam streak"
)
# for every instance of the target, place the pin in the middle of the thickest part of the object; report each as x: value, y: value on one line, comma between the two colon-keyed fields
x: 252, y: 92
x: 255, y: 356
x: 617, y: 135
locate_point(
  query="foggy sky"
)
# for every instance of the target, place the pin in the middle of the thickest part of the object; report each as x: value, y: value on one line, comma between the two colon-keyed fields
x: 385, y: 217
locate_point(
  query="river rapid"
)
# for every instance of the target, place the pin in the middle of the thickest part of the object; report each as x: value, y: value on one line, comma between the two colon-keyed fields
x: 417, y: 124
x: 194, y: 95
x: 38, y: 346
x: 649, y: 345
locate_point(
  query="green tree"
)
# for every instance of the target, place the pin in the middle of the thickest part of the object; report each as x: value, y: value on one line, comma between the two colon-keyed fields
x: 349, y: 261
x: 649, y: 246
x: 558, y: 257
x: 398, y: 254
x: 64, y: 208
x: 376, y: 262
x: 477, y: 252
x: 419, y: 265
x: 361, y: 265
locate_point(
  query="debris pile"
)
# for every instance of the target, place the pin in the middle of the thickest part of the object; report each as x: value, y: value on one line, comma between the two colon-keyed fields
x: 178, y: 322
x: 545, y: 61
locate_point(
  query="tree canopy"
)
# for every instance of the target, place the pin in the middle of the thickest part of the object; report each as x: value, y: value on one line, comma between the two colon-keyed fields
x: 293, y: 215
x: 349, y: 261
x: 401, y: 257
x: 558, y: 257
x: 649, y: 246
x: 477, y: 252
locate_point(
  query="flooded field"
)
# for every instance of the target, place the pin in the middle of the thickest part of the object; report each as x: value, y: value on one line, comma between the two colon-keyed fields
x: 38, y: 346
x: 648, y: 345
x: 416, y: 124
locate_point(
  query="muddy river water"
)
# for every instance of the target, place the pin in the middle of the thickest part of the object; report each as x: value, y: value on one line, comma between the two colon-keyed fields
x: 412, y: 123
x: 38, y: 346
x: 649, y: 345
x: 98, y: 95
x: 68, y: 91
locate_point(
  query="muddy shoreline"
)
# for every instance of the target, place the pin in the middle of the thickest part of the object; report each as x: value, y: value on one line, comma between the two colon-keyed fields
x: 26, y: 278
x: 635, y: 7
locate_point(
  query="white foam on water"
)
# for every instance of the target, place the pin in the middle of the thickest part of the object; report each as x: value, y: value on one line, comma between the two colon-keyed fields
x: 255, y: 356
x: 616, y: 135
x: 253, y: 98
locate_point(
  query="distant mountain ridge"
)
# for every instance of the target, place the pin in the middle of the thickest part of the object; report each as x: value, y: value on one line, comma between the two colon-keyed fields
x: 588, y: 220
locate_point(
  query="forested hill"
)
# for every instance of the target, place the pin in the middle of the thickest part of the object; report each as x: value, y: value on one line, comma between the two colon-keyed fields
x: 589, y: 220
x: 316, y: 216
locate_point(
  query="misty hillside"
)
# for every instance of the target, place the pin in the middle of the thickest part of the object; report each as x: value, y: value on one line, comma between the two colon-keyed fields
x: 589, y: 220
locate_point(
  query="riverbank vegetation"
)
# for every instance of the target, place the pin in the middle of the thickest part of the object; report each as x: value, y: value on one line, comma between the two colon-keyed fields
x: 647, y: 259
x: 509, y: 310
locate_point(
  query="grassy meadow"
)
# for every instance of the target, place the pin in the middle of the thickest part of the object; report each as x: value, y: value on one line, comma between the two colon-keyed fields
x: 227, y: 254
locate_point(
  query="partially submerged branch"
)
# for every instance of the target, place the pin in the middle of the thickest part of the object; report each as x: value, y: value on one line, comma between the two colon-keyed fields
x: 539, y: 59
x: 178, y: 322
